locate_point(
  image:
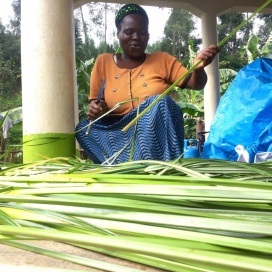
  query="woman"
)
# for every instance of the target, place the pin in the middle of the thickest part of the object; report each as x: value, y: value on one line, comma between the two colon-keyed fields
x: 138, y: 78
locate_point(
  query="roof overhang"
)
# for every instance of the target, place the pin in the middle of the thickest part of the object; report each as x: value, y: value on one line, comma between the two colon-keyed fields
x: 199, y: 7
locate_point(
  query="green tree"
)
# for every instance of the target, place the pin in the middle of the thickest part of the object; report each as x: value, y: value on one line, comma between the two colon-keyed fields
x: 85, y: 46
x: 78, y: 38
x: 265, y: 28
x: 230, y: 51
x: 99, y: 13
x: 10, y: 84
x: 104, y: 47
x: 178, y: 33
x: 10, y: 70
x: 162, y: 45
x: 16, y: 22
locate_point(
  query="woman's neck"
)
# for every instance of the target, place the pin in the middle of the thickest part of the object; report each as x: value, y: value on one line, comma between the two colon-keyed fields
x: 129, y: 63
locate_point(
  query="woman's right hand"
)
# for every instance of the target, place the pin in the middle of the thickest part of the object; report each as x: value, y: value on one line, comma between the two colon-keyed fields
x: 96, y: 110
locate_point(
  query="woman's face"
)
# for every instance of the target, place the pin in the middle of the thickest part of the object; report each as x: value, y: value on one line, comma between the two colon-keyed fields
x: 133, y: 35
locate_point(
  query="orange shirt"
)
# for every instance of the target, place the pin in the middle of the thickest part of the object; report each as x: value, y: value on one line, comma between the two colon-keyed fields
x: 152, y: 77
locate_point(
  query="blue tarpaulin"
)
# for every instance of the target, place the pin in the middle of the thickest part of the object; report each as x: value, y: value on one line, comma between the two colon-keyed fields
x: 244, y: 115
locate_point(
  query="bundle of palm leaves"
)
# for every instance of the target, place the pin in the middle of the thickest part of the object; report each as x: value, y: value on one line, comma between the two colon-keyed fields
x: 187, y: 215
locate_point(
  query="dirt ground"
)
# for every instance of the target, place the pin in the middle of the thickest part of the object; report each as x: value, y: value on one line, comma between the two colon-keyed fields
x: 17, y: 260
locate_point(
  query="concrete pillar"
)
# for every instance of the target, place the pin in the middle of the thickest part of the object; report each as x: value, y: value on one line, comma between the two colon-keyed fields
x: 48, y: 79
x: 212, y: 89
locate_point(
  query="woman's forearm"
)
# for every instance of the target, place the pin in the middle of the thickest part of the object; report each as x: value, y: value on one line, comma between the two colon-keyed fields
x: 198, y: 80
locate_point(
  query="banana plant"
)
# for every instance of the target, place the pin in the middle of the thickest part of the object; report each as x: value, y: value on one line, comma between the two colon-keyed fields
x: 252, y: 50
x: 192, y: 101
x: 83, y: 70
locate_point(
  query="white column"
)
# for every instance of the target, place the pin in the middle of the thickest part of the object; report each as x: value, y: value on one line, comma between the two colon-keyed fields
x: 48, y: 78
x: 212, y: 89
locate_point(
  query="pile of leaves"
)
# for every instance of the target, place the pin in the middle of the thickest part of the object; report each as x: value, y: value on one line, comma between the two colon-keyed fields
x: 186, y: 215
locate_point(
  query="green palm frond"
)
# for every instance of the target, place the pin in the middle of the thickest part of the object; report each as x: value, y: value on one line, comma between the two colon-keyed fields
x: 183, y: 215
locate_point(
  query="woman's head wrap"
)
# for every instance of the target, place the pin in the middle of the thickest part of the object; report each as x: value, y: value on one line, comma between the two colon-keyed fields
x: 129, y: 9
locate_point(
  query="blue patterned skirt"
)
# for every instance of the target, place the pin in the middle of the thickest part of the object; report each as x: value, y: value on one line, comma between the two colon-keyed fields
x: 159, y: 135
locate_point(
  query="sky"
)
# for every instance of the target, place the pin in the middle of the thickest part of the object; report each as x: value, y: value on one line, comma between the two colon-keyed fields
x: 5, y: 11
x: 157, y: 18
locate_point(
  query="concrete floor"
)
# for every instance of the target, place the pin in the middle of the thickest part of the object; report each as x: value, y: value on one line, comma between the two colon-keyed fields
x: 17, y: 260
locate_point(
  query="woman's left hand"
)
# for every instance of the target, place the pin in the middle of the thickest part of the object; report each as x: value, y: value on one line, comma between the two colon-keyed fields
x: 207, y: 55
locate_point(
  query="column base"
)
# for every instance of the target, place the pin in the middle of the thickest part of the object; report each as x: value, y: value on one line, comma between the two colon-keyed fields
x: 50, y: 145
